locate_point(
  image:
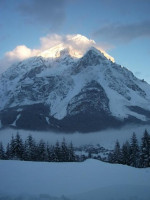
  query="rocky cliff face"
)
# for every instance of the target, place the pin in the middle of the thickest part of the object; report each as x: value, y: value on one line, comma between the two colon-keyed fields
x: 72, y: 94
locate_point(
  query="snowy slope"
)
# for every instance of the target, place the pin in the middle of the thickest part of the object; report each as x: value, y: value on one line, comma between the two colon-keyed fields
x: 88, y: 180
x: 66, y: 86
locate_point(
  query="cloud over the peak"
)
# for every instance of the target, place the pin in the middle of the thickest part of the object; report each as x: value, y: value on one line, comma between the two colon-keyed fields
x: 50, y: 40
x: 49, y: 12
x: 77, y: 43
x: 122, y: 33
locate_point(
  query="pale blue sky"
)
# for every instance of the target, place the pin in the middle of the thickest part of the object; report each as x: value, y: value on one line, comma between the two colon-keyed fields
x: 122, y: 27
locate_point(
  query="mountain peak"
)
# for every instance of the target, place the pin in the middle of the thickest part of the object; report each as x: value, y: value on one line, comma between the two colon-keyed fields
x: 101, y: 53
x: 94, y: 51
x: 60, y: 50
x: 78, y: 38
x: 77, y: 46
x: 93, y: 57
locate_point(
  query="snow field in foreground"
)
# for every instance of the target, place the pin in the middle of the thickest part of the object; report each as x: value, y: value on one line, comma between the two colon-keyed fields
x: 87, y: 180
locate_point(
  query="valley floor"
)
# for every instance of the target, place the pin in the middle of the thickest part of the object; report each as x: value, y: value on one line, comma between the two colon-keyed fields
x: 91, y: 179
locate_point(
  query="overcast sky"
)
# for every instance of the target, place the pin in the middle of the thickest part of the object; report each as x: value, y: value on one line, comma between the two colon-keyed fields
x: 121, y: 27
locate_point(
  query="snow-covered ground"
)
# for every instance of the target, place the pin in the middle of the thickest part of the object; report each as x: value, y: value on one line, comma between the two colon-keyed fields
x: 106, y: 138
x: 89, y: 180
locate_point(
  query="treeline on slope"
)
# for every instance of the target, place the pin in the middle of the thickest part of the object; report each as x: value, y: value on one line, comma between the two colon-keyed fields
x: 29, y: 150
x: 132, y: 153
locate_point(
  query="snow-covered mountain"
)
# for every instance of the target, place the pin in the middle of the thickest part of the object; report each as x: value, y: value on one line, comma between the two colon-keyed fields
x: 63, y: 90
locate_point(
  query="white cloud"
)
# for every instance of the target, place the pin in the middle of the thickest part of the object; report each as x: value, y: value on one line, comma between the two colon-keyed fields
x: 74, y: 41
x: 50, y: 40
x: 77, y: 44
x: 21, y: 52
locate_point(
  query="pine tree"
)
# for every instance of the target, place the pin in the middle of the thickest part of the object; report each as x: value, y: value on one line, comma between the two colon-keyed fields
x: 18, y: 145
x: 72, y: 156
x: 25, y: 155
x: 31, y: 149
x: 145, y: 150
x: 125, y: 153
x: 111, y: 157
x: 2, y: 152
x: 64, y: 154
x: 117, y: 153
x: 134, y: 151
x: 41, y: 149
x: 49, y: 151
x: 8, y: 152
x: 12, y: 148
x: 57, y: 152
x: 52, y: 154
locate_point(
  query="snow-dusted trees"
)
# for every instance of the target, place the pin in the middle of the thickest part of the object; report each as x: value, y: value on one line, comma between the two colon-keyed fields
x: 57, y: 152
x: 15, y: 148
x: 115, y: 157
x: 30, y: 150
x: 145, y: 150
x: 71, y: 153
x: 134, y: 151
x: 41, y: 151
x: 125, y: 153
x: 8, y: 153
x: 2, y: 152
x: 131, y: 153
x: 117, y: 153
x: 64, y: 152
x: 18, y: 145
